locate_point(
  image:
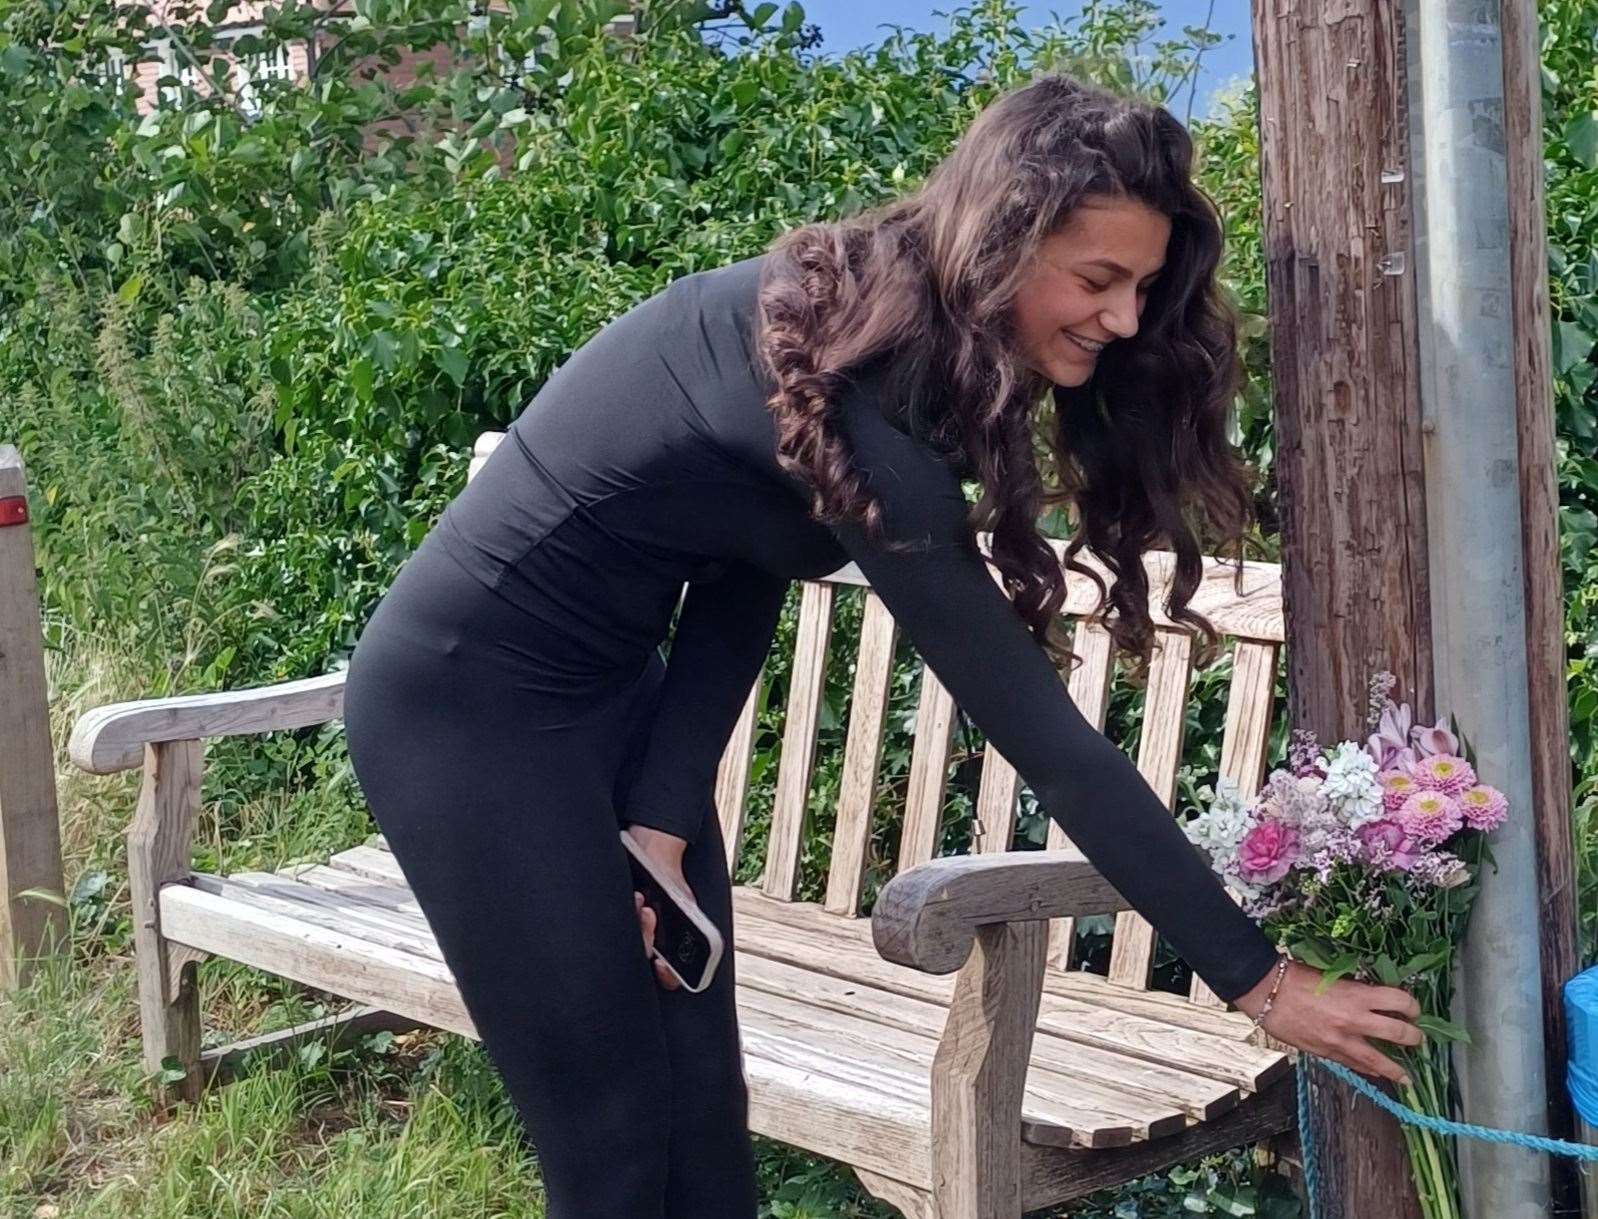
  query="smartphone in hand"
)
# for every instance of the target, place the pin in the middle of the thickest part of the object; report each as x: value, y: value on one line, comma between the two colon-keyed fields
x: 685, y: 938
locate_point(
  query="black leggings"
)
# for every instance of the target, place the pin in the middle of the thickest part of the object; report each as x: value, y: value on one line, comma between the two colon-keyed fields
x: 498, y: 799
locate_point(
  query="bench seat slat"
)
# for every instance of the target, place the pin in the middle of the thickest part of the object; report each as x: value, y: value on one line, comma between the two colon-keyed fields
x: 1103, y: 1075
x: 353, y: 887
x: 1149, y: 1025
x: 371, y: 861
x: 905, y: 1061
x: 1063, y: 1108
x: 1128, y: 1051
x: 859, y: 1123
x: 321, y: 908
x: 344, y: 963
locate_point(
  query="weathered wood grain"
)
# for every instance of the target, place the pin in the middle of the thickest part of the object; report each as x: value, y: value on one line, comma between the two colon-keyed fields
x: 1340, y: 256
x: 807, y: 688
x: 1089, y: 686
x: 30, y: 827
x: 927, y: 917
x: 862, y: 756
x: 159, y: 843
x: 112, y: 738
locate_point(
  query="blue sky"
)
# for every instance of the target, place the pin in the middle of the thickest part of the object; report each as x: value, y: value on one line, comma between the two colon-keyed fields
x: 846, y: 24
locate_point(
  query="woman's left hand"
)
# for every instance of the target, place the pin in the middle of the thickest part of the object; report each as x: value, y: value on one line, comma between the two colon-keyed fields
x: 665, y: 851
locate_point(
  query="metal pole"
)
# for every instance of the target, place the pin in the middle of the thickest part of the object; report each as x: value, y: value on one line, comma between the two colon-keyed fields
x: 1470, y: 450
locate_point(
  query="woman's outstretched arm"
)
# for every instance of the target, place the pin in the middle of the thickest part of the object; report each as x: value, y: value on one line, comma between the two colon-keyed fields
x: 966, y: 629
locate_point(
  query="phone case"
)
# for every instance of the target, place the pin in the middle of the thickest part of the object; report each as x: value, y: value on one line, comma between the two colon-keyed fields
x: 685, y: 938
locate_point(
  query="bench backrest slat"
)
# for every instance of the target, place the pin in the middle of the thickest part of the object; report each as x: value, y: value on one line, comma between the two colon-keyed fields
x: 1250, y: 700
x: 862, y: 755
x: 732, y: 775
x: 1253, y: 619
x: 1089, y: 685
x: 929, y: 773
x: 806, y: 690
x: 1249, y: 703
x: 1159, y: 754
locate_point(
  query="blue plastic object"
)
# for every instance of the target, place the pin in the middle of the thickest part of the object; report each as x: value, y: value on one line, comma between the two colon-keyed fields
x: 1581, y: 1023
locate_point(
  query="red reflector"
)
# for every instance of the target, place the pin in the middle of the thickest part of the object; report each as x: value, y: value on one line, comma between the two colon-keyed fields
x: 13, y: 510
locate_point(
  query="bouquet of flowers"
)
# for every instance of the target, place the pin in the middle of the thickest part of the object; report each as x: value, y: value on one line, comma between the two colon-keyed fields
x: 1363, y: 861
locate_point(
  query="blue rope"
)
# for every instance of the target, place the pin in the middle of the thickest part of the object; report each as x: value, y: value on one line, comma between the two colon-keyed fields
x: 1312, y: 1168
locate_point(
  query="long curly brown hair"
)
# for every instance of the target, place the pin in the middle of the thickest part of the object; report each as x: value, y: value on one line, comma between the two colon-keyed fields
x: 927, y: 283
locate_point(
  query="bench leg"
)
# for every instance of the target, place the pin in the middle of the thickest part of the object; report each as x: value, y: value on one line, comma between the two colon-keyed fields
x: 979, y: 1074
x: 169, y: 1019
x: 911, y: 1202
x: 159, y: 842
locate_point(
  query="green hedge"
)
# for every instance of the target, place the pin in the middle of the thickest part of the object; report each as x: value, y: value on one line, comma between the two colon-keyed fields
x: 244, y: 358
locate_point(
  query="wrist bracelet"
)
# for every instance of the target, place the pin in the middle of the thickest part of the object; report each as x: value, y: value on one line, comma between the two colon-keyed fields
x: 1281, y: 970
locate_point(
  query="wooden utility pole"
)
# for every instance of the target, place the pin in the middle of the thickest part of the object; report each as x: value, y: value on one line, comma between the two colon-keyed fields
x: 1333, y: 151
x: 30, y: 835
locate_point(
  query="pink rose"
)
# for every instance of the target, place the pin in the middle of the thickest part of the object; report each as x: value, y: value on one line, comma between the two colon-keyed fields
x: 1267, y: 852
x: 1387, y: 844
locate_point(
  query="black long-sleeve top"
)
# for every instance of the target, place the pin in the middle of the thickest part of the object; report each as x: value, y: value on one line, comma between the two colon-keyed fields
x: 647, y: 460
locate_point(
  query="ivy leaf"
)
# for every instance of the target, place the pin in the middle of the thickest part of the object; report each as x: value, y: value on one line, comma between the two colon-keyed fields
x: 383, y: 349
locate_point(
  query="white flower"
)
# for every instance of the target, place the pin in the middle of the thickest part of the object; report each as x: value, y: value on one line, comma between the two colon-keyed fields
x: 1351, y: 785
x: 1218, y: 830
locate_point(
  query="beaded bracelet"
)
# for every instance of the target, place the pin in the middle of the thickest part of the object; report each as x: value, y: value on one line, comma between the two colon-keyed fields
x: 1281, y: 970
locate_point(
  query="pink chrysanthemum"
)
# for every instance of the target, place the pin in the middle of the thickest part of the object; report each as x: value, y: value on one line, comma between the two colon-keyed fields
x: 1430, y: 816
x: 1484, y: 807
x: 1444, y: 772
x: 1397, y: 786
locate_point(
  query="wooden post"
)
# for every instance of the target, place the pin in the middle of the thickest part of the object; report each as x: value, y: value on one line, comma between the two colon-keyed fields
x: 30, y: 833
x: 1333, y: 153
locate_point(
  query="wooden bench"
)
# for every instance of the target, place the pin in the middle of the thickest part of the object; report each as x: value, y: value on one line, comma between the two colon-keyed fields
x: 1015, y: 1083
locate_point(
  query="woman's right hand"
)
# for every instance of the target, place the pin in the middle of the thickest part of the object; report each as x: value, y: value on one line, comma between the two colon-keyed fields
x: 1335, y: 1024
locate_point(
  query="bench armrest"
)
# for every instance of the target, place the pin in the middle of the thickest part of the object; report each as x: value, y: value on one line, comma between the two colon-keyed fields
x: 927, y: 916
x: 112, y: 738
